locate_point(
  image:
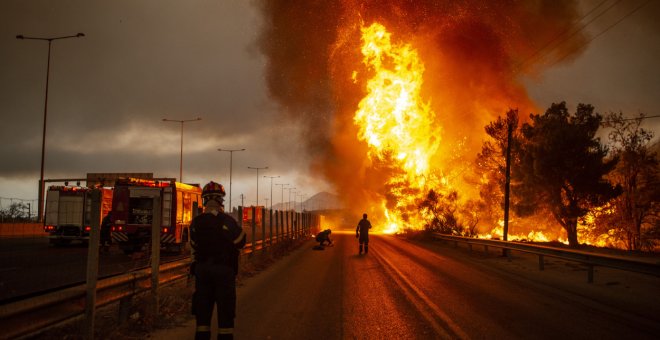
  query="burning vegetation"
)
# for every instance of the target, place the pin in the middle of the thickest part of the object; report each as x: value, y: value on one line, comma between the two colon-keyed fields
x: 407, y: 106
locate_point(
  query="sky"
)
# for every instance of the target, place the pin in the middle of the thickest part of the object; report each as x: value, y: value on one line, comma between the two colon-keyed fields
x: 143, y: 61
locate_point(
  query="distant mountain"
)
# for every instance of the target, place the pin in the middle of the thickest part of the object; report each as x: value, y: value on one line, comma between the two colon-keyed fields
x: 320, y: 201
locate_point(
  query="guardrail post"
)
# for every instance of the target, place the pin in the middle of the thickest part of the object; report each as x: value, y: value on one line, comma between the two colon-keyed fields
x: 155, y: 253
x: 270, y: 223
x: 590, y: 273
x: 281, y: 235
x: 541, y: 263
x: 278, y: 227
x: 263, y: 229
x: 254, y: 230
x: 288, y: 224
x: 92, y: 263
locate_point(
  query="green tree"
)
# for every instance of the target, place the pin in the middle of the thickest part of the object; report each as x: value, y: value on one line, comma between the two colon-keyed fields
x: 562, y: 166
x: 635, y: 212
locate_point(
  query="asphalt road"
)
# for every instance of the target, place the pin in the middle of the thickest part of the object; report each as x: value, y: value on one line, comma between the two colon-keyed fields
x: 410, y: 290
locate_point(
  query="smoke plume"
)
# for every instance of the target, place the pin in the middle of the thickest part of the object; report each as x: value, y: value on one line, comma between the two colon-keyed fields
x: 474, y: 53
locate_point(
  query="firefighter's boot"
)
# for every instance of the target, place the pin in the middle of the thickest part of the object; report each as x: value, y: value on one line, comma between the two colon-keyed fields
x: 203, y: 333
x: 366, y: 248
x: 360, y: 249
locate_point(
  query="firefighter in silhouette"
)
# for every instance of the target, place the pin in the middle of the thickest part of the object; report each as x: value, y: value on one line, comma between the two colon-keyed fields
x: 216, y: 239
x: 324, y: 237
x: 362, y: 232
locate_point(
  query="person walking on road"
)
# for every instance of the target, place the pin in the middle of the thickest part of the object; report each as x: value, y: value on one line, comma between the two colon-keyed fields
x: 216, y: 239
x: 362, y: 232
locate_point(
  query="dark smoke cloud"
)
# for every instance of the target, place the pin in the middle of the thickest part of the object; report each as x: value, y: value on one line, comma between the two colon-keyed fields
x: 474, y: 52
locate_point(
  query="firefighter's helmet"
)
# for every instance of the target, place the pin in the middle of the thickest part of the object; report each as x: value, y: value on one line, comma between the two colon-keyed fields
x: 213, y: 191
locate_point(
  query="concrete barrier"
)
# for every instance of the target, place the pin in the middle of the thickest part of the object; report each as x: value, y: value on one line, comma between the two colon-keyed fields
x: 22, y: 230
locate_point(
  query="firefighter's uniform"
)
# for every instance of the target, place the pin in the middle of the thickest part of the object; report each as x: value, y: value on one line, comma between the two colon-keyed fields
x: 216, y: 239
x: 362, y: 231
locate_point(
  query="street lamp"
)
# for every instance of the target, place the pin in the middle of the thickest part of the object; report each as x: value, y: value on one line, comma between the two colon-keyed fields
x: 231, y: 155
x: 289, y: 201
x: 181, y: 158
x: 271, y: 189
x: 282, y: 198
x: 255, y: 168
x: 43, y: 138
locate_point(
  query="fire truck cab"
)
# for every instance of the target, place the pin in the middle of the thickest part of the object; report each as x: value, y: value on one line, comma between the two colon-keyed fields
x: 132, y: 215
x: 68, y: 213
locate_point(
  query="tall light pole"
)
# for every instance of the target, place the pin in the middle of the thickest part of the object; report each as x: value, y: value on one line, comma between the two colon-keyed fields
x: 181, y: 158
x: 289, y: 201
x: 231, y: 155
x: 271, y: 189
x: 256, y: 168
x: 43, y: 138
x: 282, y: 198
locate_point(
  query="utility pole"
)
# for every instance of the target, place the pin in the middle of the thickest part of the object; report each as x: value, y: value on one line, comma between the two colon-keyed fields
x: 231, y: 155
x: 257, y: 168
x: 271, y: 190
x: 282, y: 193
x: 40, y: 209
x: 181, y: 158
x: 507, y: 184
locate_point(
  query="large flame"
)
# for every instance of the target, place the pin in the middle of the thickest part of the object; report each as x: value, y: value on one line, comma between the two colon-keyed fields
x: 395, y: 122
x: 368, y: 115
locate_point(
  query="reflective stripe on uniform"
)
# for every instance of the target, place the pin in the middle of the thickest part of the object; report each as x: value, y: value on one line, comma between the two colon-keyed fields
x: 203, y: 328
x: 225, y: 331
x: 240, y: 237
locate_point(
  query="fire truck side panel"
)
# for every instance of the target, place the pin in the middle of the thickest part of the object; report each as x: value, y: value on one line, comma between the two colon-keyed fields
x: 133, y: 214
x: 52, y: 207
x: 65, y: 209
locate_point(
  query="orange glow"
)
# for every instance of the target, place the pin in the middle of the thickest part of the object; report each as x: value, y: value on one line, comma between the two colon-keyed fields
x: 396, y: 123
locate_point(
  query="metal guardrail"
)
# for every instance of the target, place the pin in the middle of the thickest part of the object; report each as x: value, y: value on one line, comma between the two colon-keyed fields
x: 589, y: 259
x: 24, y: 318
x: 31, y: 316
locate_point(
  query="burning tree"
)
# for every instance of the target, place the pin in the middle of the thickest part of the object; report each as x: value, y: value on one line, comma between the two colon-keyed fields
x: 491, y: 163
x: 562, y: 166
x: 633, y: 216
x: 393, y: 94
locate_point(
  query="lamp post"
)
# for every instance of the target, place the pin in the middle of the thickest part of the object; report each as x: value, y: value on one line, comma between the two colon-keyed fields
x: 282, y: 198
x: 181, y: 158
x: 271, y: 189
x: 289, y: 201
x: 43, y: 138
x: 256, y: 168
x: 231, y: 155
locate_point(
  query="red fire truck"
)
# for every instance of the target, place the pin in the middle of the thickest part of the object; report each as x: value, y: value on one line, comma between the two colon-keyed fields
x: 132, y: 214
x: 68, y: 213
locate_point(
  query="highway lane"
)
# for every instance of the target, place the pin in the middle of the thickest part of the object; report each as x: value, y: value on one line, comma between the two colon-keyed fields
x: 413, y: 290
x: 31, y: 265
